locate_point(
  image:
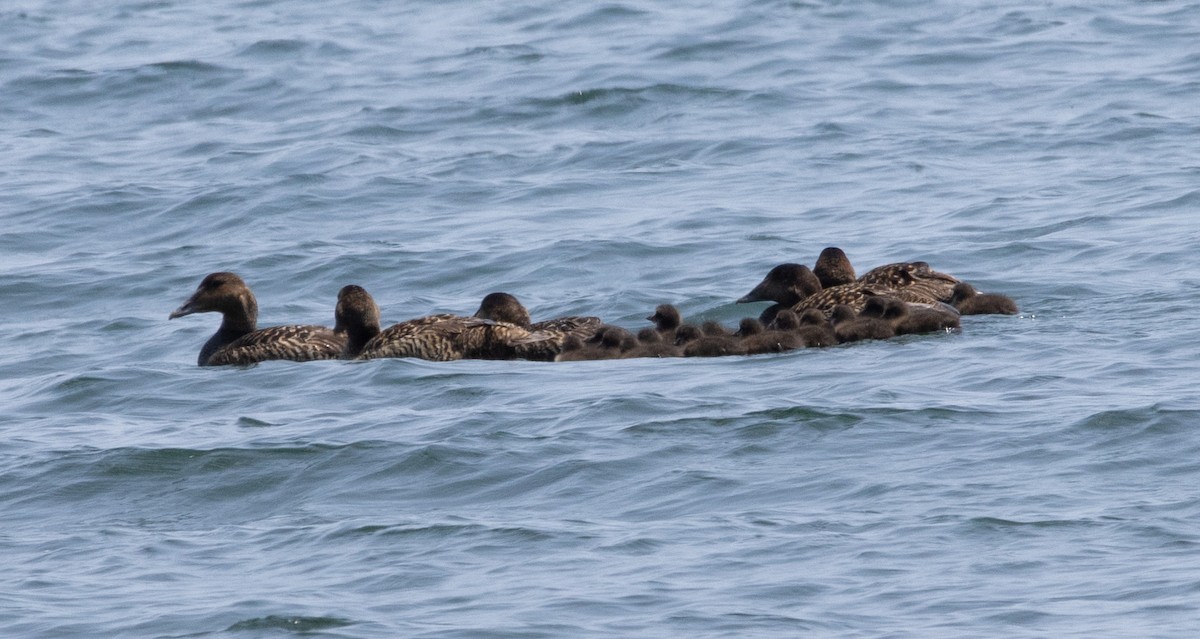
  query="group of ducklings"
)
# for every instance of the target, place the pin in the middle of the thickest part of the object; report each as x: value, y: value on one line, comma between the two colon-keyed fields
x: 822, y: 306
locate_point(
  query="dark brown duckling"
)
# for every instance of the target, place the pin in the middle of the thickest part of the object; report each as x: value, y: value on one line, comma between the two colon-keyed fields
x: 694, y: 343
x: 786, y: 285
x: 713, y: 328
x: 611, y: 342
x: 757, y: 340
x: 708, y: 346
x: 968, y: 301
x: 239, y: 341
x: 814, y: 329
x: 503, y: 307
x: 686, y: 334
x: 666, y: 319
x: 356, y: 317
x: 853, y: 327
x: 650, y: 343
x: 833, y: 268
x: 575, y: 350
x: 929, y: 318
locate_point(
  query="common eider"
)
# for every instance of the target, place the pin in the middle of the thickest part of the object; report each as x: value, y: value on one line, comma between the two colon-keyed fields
x: 911, y: 282
x: 239, y: 341
x: 446, y: 337
x: 833, y: 268
x: 786, y: 285
x: 853, y: 295
x: 356, y: 317
x: 503, y: 307
x: 968, y: 301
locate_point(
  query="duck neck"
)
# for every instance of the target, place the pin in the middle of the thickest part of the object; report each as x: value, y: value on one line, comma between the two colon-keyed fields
x: 239, y: 317
x: 357, y: 338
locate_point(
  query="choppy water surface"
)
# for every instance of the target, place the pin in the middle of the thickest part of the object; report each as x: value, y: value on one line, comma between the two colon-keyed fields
x: 1034, y: 476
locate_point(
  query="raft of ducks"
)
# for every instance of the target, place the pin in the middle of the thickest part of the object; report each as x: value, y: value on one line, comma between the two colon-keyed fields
x: 822, y: 306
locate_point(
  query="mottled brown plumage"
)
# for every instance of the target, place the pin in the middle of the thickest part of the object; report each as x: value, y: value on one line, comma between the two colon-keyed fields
x: 853, y: 295
x: 447, y: 337
x: 503, y: 307
x: 239, y: 341
x: 911, y: 282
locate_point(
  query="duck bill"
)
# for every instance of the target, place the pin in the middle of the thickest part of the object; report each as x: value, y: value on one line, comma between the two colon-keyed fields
x: 760, y: 293
x: 187, y: 308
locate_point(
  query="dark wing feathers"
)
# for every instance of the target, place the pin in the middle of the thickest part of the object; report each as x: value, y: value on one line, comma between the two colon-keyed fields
x: 296, y: 343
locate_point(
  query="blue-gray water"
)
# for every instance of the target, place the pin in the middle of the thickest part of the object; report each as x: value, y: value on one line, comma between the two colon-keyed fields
x: 1034, y: 476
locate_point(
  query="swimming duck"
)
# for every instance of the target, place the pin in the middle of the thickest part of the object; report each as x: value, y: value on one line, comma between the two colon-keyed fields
x: 239, y: 341
x: 610, y: 342
x: 356, y: 317
x: 756, y: 339
x: 695, y: 343
x: 446, y: 337
x: 666, y: 320
x: 929, y: 318
x: 833, y: 268
x: 968, y: 301
x: 503, y: 307
x: 853, y: 327
x: 911, y: 282
x: 786, y: 285
x: 650, y: 343
x: 853, y: 295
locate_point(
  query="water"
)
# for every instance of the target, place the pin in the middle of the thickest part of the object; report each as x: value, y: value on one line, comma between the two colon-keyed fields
x: 1033, y: 476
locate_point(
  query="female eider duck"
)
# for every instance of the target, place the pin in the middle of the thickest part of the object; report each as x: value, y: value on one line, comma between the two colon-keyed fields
x: 239, y: 341
x: 447, y: 337
x: 833, y: 268
x: 356, y: 317
x: 908, y: 281
x: 786, y: 285
x: 503, y: 307
x: 912, y: 282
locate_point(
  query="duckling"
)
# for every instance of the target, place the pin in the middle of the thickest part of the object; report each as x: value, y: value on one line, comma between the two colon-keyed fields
x: 968, y: 301
x: 666, y: 319
x: 757, y: 340
x: 852, y: 327
x: 651, y: 344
